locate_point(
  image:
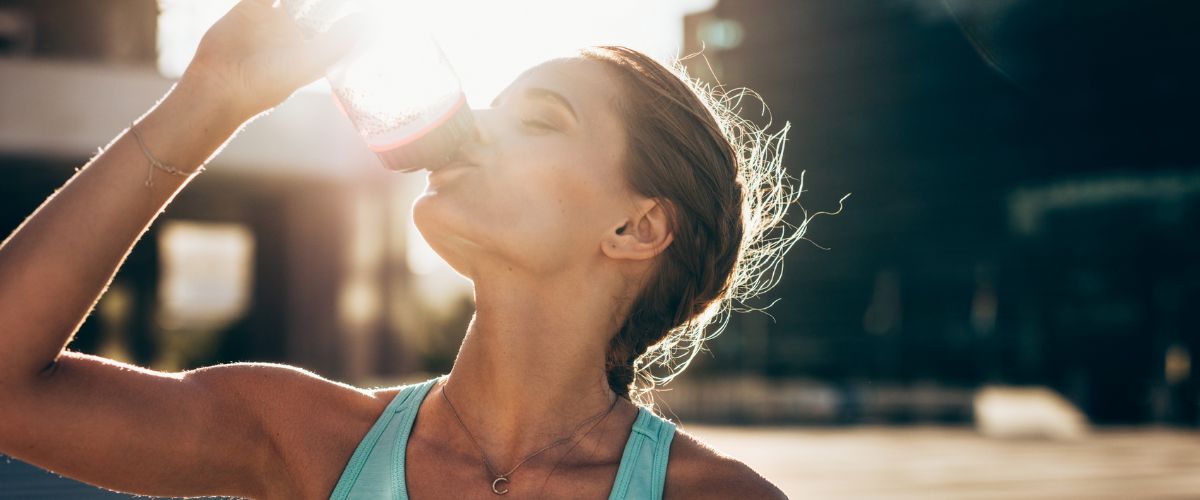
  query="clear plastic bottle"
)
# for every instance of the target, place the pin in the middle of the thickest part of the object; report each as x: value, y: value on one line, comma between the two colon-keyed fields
x: 396, y: 86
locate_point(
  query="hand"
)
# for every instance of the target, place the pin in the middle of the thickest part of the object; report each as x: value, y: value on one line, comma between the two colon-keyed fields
x: 255, y: 56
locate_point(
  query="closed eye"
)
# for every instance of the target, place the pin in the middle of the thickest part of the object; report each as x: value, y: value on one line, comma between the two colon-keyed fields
x: 535, y: 123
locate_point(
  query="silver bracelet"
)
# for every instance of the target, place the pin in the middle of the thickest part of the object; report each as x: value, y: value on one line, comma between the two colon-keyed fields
x: 154, y: 163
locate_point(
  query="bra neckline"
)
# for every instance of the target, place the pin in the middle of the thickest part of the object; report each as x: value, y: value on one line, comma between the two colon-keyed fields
x: 641, y: 427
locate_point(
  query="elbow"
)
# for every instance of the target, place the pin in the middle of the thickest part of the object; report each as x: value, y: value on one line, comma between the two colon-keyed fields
x: 19, y: 387
x: 17, y: 381
x: 49, y: 369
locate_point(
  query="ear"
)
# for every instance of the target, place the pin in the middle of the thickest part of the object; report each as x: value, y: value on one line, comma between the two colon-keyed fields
x: 645, y: 234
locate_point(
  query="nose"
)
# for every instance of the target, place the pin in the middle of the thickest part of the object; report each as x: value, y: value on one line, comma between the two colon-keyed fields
x: 474, y: 149
x: 485, y: 121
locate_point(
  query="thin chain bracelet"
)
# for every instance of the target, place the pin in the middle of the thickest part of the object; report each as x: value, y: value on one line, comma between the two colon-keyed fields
x: 154, y: 163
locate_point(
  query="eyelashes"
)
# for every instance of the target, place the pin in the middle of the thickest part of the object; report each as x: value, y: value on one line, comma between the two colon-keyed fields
x: 537, y: 124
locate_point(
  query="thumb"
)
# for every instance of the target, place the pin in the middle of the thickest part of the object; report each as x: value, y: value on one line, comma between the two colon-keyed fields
x: 327, y: 48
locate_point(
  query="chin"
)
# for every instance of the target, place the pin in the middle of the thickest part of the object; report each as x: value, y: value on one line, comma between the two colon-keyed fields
x: 443, y: 231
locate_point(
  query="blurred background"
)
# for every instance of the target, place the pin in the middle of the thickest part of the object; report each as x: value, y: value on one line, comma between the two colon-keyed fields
x: 1007, y: 307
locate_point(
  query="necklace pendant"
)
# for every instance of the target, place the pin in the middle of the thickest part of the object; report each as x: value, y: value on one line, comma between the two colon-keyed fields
x: 496, y: 485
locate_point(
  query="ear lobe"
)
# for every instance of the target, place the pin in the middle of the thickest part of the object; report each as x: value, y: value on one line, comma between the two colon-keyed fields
x: 644, y: 236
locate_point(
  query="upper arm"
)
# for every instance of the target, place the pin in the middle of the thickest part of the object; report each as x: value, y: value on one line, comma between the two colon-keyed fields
x: 202, y: 432
x: 695, y: 470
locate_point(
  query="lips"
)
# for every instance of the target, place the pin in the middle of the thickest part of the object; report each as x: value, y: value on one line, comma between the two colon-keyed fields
x: 449, y: 171
x: 452, y: 164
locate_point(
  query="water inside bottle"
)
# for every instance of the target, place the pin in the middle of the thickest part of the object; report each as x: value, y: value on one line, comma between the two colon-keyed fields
x: 396, y: 85
x: 433, y: 149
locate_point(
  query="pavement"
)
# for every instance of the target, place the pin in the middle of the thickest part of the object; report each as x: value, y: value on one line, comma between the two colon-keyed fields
x: 889, y: 463
x: 958, y: 463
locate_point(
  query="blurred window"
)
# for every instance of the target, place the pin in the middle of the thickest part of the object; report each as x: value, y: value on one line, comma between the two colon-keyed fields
x: 206, y: 278
x: 16, y: 32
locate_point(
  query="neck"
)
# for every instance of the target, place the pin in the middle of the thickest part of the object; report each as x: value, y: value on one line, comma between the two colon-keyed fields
x: 531, y: 368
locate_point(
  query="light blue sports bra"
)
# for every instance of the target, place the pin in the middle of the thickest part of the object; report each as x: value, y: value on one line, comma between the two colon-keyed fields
x: 376, y: 470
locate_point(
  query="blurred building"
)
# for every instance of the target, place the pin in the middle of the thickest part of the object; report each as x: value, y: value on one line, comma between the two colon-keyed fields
x: 1026, y: 195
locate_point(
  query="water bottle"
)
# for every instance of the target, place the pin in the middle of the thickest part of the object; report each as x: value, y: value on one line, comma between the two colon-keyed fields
x: 396, y: 85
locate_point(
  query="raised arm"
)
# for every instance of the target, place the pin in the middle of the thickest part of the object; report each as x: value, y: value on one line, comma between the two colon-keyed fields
x: 113, y: 424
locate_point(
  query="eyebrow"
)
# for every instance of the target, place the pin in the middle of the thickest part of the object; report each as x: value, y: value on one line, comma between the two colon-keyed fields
x: 550, y: 95
x: 546, y: 95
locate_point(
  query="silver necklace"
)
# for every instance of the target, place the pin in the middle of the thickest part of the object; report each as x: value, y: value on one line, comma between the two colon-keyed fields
x: 498, y: 484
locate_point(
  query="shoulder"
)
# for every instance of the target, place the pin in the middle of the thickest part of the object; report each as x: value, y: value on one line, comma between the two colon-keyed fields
x: 291, y: 403
x: 696, y: 470
x: 268, y: 389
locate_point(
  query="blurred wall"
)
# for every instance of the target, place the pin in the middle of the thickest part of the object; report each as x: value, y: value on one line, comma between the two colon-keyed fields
x: 111, y: 31
x: 955, y: 124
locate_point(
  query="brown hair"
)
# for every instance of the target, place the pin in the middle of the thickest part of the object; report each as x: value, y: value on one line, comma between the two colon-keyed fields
x: 727, y: 194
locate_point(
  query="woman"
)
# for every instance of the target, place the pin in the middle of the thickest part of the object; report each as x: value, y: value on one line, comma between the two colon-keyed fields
x: 605, y: 220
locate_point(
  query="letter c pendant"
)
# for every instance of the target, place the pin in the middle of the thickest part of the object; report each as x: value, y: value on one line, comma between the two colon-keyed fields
x: 496, y: 486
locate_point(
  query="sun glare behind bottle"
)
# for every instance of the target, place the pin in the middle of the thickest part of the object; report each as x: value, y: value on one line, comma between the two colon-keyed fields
x: 396, y: 86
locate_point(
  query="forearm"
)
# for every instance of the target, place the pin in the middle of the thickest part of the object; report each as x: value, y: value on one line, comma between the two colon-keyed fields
x: 56, y: 265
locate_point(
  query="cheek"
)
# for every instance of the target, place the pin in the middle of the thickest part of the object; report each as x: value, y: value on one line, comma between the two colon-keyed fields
x: 539, y: 209
x: 537, y: 187
x: 520, y: 214
x: 572, y: 195
x: 542, y: 208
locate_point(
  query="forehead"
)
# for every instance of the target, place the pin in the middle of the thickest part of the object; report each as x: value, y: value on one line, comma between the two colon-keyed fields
x: 587, y: 84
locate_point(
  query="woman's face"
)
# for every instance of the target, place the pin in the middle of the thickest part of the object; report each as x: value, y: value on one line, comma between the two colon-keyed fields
x: 544, y: 183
